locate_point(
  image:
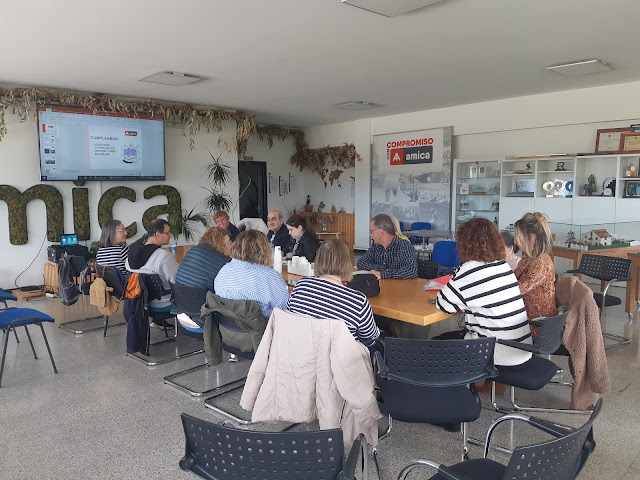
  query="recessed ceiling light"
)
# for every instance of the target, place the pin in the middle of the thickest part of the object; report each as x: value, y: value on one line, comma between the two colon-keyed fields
x: 390, y: 8
x: 170, y: 78
x: 356, y: 105
x: 583, y: 67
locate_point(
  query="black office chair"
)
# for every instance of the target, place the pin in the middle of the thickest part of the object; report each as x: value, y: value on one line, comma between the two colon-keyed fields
x: 218, y: 452
x: 231, y: 324
x: 428, y: 381
x: 610, y: 270
x: 189, y: 300
x: 153, y: 285
x: 561, y: 458
x: 428, y: 269
x: 537, y: 372
x: 79, y: 271
x: 114, y: 279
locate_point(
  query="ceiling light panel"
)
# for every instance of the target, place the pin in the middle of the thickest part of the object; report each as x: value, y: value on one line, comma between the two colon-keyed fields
x: 583, y: 67
x: 389, y: 8
x: 356, y: 106
x: 175, y: 79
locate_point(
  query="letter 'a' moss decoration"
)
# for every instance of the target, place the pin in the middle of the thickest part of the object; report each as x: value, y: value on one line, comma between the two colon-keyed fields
x: 81, y: 220
x: 17, y: 203
x: 105, y: 206
x: 173, y: 206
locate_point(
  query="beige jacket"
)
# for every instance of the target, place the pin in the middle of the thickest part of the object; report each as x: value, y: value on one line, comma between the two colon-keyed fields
x: 307, y: 369
x: 583, y: 339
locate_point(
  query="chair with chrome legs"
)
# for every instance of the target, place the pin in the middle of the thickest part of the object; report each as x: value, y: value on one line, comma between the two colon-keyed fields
x: 561, y: 458
x: 232, y: 325
x: 315, y: 455
x: 610, y: 270
x: 188, y: 301
x: 430, y: 381
x: 12, y: 318
x: 537, y: 372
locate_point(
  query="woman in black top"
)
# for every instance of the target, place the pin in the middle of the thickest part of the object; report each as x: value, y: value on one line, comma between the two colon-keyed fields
x: 304, y: 242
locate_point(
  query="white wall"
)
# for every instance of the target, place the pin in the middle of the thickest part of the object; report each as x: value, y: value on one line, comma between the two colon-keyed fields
x: 19, y: 163
x: 559, y: 122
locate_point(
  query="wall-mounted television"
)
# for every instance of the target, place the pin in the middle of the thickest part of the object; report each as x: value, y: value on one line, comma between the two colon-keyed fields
x: 75, y: 144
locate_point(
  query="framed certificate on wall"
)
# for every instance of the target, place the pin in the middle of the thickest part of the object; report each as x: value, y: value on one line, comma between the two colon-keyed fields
x: 630, y: 142
x: 608, y: 139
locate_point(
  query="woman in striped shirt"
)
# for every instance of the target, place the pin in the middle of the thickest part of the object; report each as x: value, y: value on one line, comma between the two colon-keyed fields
x: 113, y: 251
x: 486, y: 290
x: 327, y: 297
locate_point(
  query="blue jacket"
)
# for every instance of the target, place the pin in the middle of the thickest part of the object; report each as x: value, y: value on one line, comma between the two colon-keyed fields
x: 200, y: 266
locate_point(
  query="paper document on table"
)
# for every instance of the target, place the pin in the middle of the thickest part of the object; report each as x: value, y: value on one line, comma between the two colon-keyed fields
x: 438, y: 283
x: 361, y: 272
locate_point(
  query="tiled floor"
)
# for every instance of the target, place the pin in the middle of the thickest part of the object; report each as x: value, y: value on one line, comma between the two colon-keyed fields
x: 108, y: 416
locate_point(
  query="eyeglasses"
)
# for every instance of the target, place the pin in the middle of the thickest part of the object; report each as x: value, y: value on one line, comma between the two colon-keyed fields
x: 371, y: 231
x: 121, y: 231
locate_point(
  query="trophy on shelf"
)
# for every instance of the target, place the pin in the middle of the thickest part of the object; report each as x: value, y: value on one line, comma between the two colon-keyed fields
x: 560, y: 167
x: 548, y: 187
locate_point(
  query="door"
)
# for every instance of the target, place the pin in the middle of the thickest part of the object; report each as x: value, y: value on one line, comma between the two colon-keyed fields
x: 252, y: 177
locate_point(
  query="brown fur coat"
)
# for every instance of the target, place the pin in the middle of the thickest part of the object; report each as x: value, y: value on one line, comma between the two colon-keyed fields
x: 583, y: 339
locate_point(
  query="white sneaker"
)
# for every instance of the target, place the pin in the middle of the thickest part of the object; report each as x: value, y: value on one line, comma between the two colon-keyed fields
x: 155, y: 325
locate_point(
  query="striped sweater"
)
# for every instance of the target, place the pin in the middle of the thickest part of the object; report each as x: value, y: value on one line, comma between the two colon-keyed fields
x: 113, y: 256
x: 489, y: 295
x: 319, y: 298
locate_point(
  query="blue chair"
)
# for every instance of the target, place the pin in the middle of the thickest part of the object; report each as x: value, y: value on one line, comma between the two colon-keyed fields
x: 401, y: 225
x: 21, y: 317
x: 445, y: 252
x: 4, y: 296
x: 419, y: 226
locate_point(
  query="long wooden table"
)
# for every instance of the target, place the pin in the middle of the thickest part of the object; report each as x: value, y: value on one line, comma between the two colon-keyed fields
x: 404, y: 300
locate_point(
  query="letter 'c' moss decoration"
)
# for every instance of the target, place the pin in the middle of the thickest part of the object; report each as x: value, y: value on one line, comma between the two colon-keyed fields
x: 17, y: 203
x: 81, y: 220
x: 105, y: 206
x: 173, y: 206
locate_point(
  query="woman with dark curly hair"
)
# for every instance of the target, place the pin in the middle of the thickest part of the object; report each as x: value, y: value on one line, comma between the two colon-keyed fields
x: 486, y: 290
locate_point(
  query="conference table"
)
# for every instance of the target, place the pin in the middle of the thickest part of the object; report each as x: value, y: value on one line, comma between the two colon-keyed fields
x: 424, y: 234
x: 404, y: 300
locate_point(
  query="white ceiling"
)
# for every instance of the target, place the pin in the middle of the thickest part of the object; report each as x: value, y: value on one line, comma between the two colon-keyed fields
x: 288, y: 61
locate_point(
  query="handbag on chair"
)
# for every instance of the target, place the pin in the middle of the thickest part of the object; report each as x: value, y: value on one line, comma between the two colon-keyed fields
x: 366, y: 283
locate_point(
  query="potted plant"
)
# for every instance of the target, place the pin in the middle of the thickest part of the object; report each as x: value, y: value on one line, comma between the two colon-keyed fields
x: 321, y: 206
x: 218, y: 174
x: 307, y: 206
x: 186, y: 225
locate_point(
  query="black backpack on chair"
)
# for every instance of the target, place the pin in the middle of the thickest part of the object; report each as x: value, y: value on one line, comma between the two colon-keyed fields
x: 67, y: 290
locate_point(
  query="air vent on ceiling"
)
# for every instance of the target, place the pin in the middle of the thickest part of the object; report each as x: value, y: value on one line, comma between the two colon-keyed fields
x: 356, y: 105
x: 390, y: 8
x: 170, y: 78
x: 583, y: 67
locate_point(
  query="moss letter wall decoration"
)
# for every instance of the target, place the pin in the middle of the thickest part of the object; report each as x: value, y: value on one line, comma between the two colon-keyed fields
x: 81, y: 220
x: 17, y: 203
x: 105, y: 206
x: 172, y: 207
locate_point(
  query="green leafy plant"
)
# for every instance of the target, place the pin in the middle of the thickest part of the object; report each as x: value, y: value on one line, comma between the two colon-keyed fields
x: 308, y: 202
x: 218, y: 173
x: 321, y: 205
x: 186, y: 225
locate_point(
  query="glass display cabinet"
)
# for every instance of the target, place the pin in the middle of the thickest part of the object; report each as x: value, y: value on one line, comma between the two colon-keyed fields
x: 476, y: 190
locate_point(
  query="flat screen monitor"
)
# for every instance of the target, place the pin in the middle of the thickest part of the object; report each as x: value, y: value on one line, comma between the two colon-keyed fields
x: 75, y: 144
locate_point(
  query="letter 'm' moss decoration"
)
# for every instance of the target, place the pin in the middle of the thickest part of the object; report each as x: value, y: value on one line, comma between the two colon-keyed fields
x: 81, y: 220
x: 17, y: 203
x: 172, y: 207
x: 105, y: 206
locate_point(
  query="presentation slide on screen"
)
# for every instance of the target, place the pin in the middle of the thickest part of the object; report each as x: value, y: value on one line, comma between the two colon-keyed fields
x: 115, y: 148
x: 84, y: 146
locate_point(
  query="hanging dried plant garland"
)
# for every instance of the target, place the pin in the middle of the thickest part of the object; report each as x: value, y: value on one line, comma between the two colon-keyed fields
x: 328, y: 162
x: 20, y: 101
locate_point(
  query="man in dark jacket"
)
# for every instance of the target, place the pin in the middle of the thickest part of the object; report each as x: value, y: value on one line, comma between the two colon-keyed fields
x: 278, y: 234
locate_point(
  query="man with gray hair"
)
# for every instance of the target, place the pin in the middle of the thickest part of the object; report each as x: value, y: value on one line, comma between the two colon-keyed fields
x: 389, y: 256
x: 278, y: 234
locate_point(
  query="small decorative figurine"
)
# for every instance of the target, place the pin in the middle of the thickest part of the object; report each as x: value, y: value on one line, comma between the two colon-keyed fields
x: 571, y: 238
x: 333, y: 209
x: 590, y: 187
x: 528, y: 167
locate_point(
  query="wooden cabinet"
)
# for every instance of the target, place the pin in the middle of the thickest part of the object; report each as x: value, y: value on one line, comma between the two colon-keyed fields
x: 344, y: 223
